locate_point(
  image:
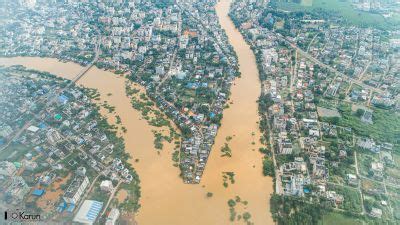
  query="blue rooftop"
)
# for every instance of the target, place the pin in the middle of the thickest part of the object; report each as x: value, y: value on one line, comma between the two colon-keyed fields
x: 42, y: 125
x: 63, y: 99
x: 61, y: 206
x: 94, y: 210
x: 192, y: 85
x: 38, y: 192
x: 71, y: 208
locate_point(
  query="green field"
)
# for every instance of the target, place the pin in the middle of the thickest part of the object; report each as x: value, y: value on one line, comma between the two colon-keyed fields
x: 386, y: 126
x: 343, y: 8
x: 14, y: 152
x: 337, y: 218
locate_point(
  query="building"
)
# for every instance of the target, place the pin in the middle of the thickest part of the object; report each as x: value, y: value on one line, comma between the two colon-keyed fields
x: 18, y: 189
x: 106, y: 185
x: 28, y: 3
x: 5, y: 131
x: 369, y: 144
x: 88, y: 212
x: 33, y: 129
x: 112, y: 217
x: 53, y: 136
x: 352, y: 179
x: 285, y: 145
x: 375, y: 212
x: 367, y: 117
x: 7, y: 168
x: 76, y: 189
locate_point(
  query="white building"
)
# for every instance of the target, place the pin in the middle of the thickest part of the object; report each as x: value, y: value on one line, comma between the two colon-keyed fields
x: 112, y: 217
x: 76, y: 189
x: 28, y: 3
x: 88, y: 212
x: 106, y: 185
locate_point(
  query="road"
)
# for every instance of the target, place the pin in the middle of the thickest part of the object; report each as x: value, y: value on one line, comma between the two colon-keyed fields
x: 110, y: 198
x: 323, y: 65
x: 218, y: 45
x: 167, y: 75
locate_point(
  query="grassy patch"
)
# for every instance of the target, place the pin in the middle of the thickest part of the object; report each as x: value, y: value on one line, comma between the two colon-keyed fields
x: 343, y: 8
x: 352, y: 199
x: 386, y: 126
x: 338, y: 218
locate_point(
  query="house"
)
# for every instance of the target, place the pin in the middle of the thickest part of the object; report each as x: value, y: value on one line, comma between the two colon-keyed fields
x: 17, y: 189
x: 285, y: 146
x: 106, y: 185
x: 367, y: 117
x: 7, y: 168
x: 33, y: 129
x: 53, y: 136
x: 334, y: 197
x: 375, y: 212
x: 313, y: 132
x: 38, y: 192
x: 377, y: 166
x: 62, y: 99
x: 369, y: 144
x: 112, y: 217
x: 76, y: 189
x: 352, y: 179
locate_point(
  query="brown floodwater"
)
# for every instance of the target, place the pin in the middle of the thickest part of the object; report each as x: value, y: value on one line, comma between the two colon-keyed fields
x: 166, y: 200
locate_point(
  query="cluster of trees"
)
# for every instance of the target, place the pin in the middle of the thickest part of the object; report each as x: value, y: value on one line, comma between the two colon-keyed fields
x: 268, y: 167
x: 292, y: 211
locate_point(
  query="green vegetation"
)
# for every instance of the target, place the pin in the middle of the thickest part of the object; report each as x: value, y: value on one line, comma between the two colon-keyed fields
x: 246, y: 216
x: 228, y: 138
x: 228, y: 176
x: 175, y: 156
x: 333, y: 218
x: 385, y: 127
x: 288, y: 210
x: 268, y: 167
x: 352, y: 198
x: 342, y: 8
x: 158, y: 141
x: 131, y: 204
x: 226, y: 151
x: 233, y: 214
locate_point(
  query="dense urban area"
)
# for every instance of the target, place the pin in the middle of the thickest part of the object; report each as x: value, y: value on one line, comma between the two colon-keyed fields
x: 329, y: 110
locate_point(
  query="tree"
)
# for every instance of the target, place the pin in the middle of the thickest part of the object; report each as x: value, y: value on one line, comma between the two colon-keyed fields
x: 360, y: 112
x: 231, y: 203
x: 268, y: 167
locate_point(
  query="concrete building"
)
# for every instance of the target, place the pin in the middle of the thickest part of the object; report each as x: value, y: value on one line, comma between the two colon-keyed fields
x: 112, y: 217
x: 76, y: 189
x: 88, y: 212
x: 106, y: 185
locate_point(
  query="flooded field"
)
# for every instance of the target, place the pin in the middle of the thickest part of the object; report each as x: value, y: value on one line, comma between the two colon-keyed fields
x: 166, y: 200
